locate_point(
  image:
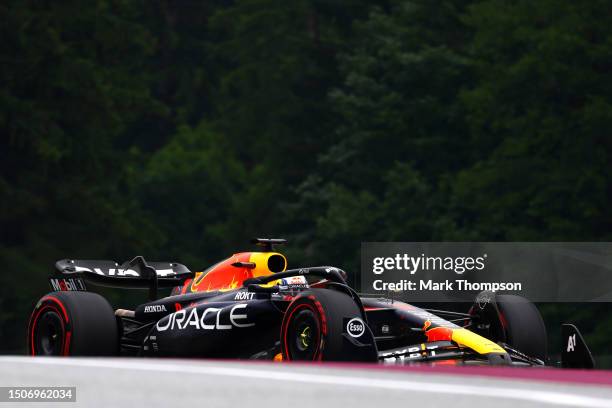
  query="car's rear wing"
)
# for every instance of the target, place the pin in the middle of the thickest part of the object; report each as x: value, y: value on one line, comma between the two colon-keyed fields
x: 137, y: 273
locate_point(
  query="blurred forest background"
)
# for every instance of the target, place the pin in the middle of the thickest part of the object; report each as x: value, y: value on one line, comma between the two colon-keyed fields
x: 178, y: 130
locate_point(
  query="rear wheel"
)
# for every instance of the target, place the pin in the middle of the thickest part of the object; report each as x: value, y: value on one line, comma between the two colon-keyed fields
x: 73, y: 324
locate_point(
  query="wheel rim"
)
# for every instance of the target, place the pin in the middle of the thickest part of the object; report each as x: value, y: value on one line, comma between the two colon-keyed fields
x: 49, y: 334
x: 304, y: 335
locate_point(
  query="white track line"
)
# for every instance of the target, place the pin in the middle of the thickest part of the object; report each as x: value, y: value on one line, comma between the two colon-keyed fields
x: 282, y: 374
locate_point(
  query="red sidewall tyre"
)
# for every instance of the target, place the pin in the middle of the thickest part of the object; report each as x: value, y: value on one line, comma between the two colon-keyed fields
x: 309, y: 306
x: 73, y: 324
x: 49, y: 305
x: 313, y: 329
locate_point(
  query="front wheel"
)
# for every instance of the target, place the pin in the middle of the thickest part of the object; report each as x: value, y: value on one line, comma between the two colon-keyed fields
x: 512, y: 320
x: 73, y: 324
x: 522, y: 325
x: 326, y: 325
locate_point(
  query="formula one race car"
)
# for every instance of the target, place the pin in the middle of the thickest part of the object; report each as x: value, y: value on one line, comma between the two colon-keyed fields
x: 250, y: 306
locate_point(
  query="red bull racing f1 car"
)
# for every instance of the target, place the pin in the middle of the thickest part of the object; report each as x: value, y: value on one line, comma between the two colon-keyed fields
x: 250, y: 306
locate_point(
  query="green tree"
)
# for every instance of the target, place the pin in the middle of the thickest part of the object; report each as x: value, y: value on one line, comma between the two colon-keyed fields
x: 71, y: 84
x: 400, y: 131
x: 539, y: 122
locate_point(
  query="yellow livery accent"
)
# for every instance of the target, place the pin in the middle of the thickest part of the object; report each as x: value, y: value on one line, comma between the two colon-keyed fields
x: 477, y: 343
x: 261, y: 259
x: 262, y: 268
x: 231, y: 273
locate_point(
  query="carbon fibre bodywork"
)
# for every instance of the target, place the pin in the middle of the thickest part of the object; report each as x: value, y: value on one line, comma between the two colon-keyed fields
x: 239, y: 308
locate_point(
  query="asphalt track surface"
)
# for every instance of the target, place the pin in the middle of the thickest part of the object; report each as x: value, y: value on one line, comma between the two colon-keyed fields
x: 173, y: 383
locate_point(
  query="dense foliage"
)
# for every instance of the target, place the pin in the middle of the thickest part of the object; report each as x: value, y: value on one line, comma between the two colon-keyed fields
x: 178, y: 130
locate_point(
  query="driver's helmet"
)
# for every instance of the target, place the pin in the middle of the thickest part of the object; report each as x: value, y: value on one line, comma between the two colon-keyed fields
x: 293, y: 281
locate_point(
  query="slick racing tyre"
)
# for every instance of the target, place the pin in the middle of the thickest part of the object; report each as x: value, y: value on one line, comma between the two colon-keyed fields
x: 326, y: 325
x: 73, y: 324
x: 522, y: 325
